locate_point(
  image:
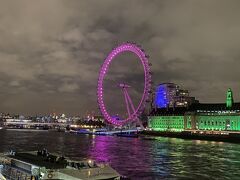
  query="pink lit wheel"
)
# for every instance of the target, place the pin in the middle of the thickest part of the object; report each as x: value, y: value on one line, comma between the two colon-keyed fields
x: 133, y: 116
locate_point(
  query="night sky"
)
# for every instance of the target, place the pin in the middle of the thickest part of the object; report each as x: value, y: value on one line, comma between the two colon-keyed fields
x: 51, y: 50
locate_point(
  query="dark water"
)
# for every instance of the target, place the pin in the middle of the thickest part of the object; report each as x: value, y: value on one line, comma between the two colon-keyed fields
x: 164, y: 158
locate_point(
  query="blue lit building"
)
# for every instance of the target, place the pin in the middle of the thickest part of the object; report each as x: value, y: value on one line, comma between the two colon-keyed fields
x: 161, y: 100
x: 169, y: 95
x: 165, y: 94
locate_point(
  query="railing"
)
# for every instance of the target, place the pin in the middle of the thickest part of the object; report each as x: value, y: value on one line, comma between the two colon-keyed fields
x: 11, y: 173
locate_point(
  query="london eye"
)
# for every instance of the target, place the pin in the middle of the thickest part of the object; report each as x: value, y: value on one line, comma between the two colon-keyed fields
x: 133, y: 112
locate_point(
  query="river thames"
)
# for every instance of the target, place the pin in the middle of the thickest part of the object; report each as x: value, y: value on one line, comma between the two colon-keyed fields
x: 137, y: 158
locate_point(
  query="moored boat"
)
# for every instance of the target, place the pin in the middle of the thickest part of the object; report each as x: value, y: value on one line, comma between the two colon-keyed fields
x: 43, y: 165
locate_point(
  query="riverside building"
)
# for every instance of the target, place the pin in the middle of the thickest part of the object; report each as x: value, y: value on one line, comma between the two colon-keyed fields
x: 197, y: 117
x: 169, y: 95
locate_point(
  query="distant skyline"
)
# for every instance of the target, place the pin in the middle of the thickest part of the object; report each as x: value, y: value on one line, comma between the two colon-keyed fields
x: 51, y: 51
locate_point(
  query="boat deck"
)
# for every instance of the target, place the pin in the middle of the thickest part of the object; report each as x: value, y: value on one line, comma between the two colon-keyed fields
x: 50, y: 162
x: 24, y: 164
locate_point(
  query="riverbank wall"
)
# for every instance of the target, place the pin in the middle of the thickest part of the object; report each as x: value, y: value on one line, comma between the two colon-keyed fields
x: 230, y: 137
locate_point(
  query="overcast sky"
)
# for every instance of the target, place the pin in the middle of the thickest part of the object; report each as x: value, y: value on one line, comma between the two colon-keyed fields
x: 51, y: 50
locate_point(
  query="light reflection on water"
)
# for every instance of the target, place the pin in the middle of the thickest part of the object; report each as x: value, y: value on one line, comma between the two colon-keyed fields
x: 162, y: 158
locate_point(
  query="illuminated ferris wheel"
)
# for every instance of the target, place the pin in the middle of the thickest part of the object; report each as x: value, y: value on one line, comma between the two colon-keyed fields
x: 133, y: 112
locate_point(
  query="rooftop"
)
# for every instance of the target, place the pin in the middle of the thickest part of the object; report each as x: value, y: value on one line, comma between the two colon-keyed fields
x: 195, y: 107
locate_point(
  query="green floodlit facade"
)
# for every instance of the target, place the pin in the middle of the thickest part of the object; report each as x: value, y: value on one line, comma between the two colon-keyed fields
x: 215, y: 117
x: 218, y: 122
x: 166, y: 123
x: 178, y: 123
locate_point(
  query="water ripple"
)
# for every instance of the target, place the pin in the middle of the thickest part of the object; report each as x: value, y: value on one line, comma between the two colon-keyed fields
x: 163, y: 158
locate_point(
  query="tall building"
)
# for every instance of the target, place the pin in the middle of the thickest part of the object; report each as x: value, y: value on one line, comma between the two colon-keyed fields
x: 165, y: 94
x: 170, y: 95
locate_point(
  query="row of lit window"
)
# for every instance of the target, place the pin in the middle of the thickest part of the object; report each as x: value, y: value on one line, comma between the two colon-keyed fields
x: 212, y: 123
x: 168, y: 124
x: 168, y: 118
x: 167, y: 127
x: 167, y: 121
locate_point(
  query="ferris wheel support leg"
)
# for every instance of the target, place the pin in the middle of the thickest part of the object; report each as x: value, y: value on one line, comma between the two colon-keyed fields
x: 130, y: 101
x: 126, y: 101
x: 133, y: 109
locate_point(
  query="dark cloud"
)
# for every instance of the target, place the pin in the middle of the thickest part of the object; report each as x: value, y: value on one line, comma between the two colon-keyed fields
x: 51, y: 51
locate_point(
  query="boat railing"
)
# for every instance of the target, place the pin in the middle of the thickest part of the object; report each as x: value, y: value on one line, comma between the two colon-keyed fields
x: 81, y: 164
x: 12, y: 173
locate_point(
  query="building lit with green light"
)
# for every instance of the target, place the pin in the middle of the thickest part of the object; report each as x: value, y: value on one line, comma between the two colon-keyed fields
x: 167, y: 123
x: 199, y: 116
